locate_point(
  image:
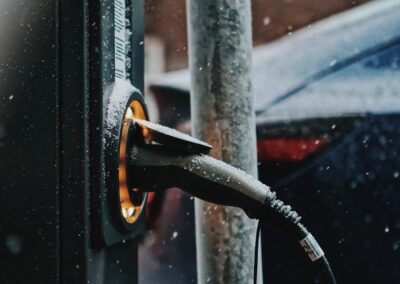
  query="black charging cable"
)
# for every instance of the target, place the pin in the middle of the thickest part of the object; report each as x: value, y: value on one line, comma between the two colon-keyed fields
x: 180, y: 160
x: 258, y: 234
x: 285, y: 217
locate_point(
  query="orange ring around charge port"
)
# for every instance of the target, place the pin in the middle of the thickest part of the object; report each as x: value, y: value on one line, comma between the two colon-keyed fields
x: 130, y: 212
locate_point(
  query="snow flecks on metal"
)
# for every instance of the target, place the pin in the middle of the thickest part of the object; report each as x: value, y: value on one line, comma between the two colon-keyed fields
x: 223, y: 115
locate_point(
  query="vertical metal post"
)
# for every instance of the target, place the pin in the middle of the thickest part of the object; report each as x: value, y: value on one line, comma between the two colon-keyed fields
x: 222, y: 109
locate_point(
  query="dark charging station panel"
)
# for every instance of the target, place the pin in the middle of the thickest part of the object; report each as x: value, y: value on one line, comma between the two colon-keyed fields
x: 58, y: 65
x: 118, y: 76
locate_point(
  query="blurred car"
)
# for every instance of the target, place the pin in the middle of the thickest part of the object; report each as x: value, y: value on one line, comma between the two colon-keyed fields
x: 327, y: 100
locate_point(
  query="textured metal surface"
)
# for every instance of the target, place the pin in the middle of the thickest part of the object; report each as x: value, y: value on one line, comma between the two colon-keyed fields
x: 223, y: 116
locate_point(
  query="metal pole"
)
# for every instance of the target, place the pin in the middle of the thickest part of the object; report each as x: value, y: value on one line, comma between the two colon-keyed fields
x: 220, y: 46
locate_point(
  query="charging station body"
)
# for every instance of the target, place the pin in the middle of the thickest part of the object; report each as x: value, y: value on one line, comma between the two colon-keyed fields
x: 60, y: 206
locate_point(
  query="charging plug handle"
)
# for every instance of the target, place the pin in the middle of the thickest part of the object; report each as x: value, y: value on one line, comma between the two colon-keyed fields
x: 155, y: 168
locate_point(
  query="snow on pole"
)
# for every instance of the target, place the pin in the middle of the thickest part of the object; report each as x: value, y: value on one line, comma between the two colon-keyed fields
x: 222, y: 114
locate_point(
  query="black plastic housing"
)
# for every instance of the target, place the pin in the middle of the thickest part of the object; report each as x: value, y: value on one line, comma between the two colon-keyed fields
x: 110, y: 225
x: 57, y: 66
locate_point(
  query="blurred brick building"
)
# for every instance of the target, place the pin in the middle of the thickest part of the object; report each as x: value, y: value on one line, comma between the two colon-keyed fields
x: 166, y: 24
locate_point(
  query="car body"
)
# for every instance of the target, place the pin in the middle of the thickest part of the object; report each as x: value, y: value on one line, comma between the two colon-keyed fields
x: 327, y: 100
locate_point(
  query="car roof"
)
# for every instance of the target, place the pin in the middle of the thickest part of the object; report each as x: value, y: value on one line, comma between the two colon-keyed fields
x: 293, y: 62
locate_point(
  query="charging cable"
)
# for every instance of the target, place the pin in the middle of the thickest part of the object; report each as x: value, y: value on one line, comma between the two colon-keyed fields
x: 162, y: 157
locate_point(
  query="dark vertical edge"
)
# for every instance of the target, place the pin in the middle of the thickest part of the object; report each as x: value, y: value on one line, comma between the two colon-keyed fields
x: 86, y: 135
x: 137, y: 42
x: 74, y: 225
x: 57, y: 165
x: 96, y: 107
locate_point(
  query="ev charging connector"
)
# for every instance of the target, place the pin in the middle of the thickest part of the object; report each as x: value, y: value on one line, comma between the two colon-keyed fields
x: 161, y: 157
